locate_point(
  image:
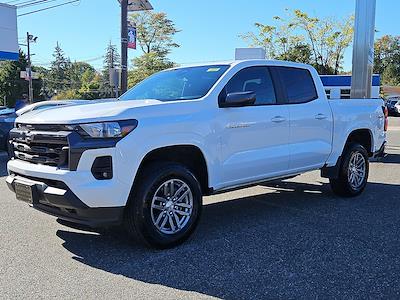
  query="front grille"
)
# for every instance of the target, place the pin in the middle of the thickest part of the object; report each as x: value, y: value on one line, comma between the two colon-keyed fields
x: 40, y: 146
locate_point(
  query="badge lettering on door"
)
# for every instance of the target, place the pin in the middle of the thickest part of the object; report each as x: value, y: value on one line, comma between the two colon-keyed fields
x: 238, y: 125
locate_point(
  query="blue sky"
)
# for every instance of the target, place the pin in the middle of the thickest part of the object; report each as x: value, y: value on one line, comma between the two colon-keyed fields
x: 209, y: 29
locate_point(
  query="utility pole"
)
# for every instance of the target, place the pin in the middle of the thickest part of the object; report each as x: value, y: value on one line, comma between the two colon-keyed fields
x: 128, y: 5
x: 124, y: 45
x: 29, y: 69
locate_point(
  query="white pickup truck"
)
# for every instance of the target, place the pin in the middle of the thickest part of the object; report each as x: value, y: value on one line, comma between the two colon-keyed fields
x: 147, y: 159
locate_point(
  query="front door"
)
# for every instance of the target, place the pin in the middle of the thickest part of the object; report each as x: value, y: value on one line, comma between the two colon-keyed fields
x: 254, y: 138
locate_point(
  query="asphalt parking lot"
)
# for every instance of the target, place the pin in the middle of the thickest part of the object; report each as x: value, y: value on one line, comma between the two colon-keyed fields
x: 286, y: 239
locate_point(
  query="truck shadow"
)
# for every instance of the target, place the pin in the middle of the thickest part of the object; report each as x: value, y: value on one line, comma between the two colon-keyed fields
x: 391, y: 159
x: 296, y: 240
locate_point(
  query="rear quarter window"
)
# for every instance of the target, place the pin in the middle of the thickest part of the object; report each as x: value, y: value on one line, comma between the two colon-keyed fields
x: 298, y: 84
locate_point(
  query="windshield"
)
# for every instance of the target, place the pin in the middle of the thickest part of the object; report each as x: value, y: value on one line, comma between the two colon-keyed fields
x: 177, y: 84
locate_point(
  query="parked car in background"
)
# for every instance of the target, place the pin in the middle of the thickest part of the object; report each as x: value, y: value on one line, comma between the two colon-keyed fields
x: 393, y: 105
x: 6, y: 124
x: 5, y: 110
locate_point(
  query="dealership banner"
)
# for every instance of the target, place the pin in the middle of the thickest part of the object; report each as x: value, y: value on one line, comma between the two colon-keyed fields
x: 132, y: 37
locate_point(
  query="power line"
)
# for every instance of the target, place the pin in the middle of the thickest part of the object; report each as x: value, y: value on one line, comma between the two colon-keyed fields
x: 27, y: 2
x: 10, y: 2
x: 50, y: 7
x: 75, y: 61
x: 33, y: 3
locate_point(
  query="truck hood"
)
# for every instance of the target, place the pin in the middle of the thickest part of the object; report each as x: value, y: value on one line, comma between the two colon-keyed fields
x: 86, y: 113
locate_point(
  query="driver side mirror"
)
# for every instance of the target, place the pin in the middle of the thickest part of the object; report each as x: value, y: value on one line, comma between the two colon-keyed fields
x: 239, y: 99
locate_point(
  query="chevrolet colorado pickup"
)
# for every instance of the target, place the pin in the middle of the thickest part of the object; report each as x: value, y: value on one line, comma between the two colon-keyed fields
x: 146, y: 160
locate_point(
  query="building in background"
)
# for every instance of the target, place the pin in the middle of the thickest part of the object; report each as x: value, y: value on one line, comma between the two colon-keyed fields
x: 8, y: 32
x: 339, y: 86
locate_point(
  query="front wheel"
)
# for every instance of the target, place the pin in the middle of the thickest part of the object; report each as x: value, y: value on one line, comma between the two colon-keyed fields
x: 166, y: 208
x: 353, y: 174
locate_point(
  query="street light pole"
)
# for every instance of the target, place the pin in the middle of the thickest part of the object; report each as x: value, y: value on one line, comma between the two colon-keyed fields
x: 124, y: 45
x: 128, y: 5
x: 29, y: 69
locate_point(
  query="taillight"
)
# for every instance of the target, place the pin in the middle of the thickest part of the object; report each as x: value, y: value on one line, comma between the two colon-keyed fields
x: 386, y: 113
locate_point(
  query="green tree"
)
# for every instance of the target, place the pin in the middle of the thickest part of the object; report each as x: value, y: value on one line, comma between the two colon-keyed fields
x: 387, y: 59
x: 76, y: 72
x: 146, y: 65
x: 323, y: 40
x: 328, y: 37
x: 89, y: 87
x: 111, y: 60
x: 299, y: 53
x: 155, y: 32
x: 58, y: 77
x: 91, y: 82
x: 67, y: 95
x: 44, y: 92
x: 277, y: 40
x: 12, y: 87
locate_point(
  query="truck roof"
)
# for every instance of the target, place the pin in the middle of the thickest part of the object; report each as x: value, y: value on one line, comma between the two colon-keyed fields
x: 245, y: 61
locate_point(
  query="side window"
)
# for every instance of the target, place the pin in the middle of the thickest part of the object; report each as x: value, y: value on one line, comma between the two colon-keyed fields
x: 298, y: 84
x: 253, y: 79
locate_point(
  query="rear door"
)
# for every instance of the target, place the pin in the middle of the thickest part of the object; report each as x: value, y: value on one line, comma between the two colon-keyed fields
x: 311, y: 120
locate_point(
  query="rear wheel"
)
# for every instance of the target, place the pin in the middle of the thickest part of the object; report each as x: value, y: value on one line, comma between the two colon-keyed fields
x: 353, y: 174
x: 166, y: 207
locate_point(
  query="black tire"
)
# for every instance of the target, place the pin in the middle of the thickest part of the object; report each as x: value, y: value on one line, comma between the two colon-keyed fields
x: 342, y: 185
x: 138, y: 216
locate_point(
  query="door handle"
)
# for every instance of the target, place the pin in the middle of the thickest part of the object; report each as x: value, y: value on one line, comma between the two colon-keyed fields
x: 278, y: 119
x: 321, y: 117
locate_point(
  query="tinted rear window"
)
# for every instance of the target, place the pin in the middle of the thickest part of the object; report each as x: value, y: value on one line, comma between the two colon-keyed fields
x: 298, y: 84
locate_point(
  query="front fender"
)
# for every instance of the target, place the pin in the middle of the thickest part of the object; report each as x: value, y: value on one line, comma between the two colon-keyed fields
x: 129, y: 157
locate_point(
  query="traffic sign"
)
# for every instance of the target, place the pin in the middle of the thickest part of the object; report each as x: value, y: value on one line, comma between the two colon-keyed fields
x: 25, y: 75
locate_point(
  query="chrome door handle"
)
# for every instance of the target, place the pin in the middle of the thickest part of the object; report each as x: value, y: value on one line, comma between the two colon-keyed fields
x: 278, y: 119
x: 321, y: 117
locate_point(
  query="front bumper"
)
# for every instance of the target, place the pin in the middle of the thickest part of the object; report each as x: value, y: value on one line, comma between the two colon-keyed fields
x: 56, y: 198
x: 92, y: 192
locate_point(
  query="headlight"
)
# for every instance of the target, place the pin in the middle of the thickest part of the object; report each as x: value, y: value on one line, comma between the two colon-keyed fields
x: 118, y: 129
